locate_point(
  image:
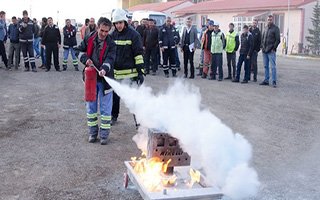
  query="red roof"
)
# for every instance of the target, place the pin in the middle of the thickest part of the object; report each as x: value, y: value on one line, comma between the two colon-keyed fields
x: 240, y: 5
x: 159, y: 7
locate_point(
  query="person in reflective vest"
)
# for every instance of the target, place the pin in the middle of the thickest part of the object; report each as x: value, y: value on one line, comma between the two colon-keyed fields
x: 232, y: 45
x: 69, y: 43
x: 100, y: 51
x: 129, y: 61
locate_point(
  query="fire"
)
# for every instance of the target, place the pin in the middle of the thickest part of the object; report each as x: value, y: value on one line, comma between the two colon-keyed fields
x: 195, y: 177
x: 151, y: 172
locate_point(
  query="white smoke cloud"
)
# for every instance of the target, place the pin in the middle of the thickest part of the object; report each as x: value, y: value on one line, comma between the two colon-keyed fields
x: 223, y: 155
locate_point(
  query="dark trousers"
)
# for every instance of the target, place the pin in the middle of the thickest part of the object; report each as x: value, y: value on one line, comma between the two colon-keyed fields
x: 27, y: 49
x: 52, y: 48
x: 254, y: 64
x: 151, y: 53
x: 243, y: 58
x: 169, y: 55
x: 216, y: 63
x: 177, y: 60
x: 231, y: 62
x: 115, y: 105
x: 3, y: 53
x: 188, y: 56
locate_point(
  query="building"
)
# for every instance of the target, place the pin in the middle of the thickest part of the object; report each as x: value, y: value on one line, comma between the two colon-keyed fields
x: 293, y: 17
x: 165, y: 7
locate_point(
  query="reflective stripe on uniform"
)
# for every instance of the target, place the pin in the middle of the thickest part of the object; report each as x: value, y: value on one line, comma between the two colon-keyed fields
x: 123, y: 42
x: 94, y: 123
x: 138, y: 59
x: 105, y: 126
x: 126, y: 73
x: 92, y: 116
x: 106, y: 118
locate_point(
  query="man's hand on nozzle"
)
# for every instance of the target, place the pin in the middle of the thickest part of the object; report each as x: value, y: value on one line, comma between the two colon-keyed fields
x: 89, y: 62
x: 102, y: 73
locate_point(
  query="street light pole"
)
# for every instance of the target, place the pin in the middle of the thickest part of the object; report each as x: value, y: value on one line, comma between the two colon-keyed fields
x: 288, y: 25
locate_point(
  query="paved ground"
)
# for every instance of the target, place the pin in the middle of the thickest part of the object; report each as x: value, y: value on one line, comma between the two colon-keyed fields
x: 44, y: 152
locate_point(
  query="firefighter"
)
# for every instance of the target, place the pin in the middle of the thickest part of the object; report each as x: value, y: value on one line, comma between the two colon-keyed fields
x: 129, y: 61
x: 100, y: 51
x: 26, y: 31
x: 69, y: 42
x: 168, y: 40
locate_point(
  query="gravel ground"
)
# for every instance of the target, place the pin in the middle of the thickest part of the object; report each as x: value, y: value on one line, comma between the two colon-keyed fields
x: 45, y: 153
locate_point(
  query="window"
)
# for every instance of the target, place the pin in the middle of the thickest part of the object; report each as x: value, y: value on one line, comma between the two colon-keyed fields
x: 279, y: 21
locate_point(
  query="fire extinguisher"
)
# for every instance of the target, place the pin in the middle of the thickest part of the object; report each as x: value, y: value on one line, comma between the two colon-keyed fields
x: 90, y: 82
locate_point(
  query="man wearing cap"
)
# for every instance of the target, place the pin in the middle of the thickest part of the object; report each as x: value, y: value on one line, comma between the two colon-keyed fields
x: 129, y: 61
x: 26, y: 31
x: 232, y: 45
x: 217, y: 45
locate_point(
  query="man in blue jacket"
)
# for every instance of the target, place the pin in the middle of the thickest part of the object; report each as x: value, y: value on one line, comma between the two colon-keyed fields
x: 14, y: 49
x: 3, y: 37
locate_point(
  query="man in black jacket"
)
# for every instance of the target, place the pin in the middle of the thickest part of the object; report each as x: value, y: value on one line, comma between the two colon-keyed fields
x: 270, y: 42
x: 129, y: 61
x: 44, y: 23
x: 150, y: 44
x: 26, y: 31
x: 169, y: 38
x: 51, y: 40
x: 100, y: 51
x: 256, y: 48
x: 246, y: 49
x: 69, y: 42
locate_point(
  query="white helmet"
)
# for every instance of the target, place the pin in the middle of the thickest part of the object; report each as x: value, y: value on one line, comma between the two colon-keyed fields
x: 119, y: 15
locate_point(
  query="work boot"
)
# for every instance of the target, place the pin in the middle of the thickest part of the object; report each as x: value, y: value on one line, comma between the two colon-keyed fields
x: 235, y: 80
x: 227, y: 78
x: 113, y: 120
x: 264, y: 83
x: 64, y: 67
x: 92, y: 139
x: 76, y: 68
x: 274, y: 84
x: 26, y: 69
x: 166, y: 75
x: 103, y: 141
x: 200, y: 72
x: 34, y: 70
x: 204, y: 75
x: 244, y: 81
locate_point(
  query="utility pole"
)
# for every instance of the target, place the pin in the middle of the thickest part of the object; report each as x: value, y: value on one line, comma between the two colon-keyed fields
x: 287, y: 41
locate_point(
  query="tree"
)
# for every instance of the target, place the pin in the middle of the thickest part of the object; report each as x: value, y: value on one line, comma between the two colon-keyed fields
x: 314, y: 38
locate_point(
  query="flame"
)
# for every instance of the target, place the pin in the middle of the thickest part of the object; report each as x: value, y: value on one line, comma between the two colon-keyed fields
x: 151, y: 172
x: 195, y: 177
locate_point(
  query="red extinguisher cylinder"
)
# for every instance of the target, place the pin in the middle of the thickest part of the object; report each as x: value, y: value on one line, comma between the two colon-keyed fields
x: 90, y: 89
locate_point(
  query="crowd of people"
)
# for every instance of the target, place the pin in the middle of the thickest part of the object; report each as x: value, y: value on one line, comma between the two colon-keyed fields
x: 121, y: 49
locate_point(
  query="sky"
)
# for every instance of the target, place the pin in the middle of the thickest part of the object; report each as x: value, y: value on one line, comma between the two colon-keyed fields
x: 73, y: 9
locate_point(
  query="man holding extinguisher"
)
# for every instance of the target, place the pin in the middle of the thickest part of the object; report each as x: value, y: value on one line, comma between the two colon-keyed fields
x: 99, y: 55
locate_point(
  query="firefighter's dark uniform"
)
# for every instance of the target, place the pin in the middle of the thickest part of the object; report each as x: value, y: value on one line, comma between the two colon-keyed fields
x: 51, y: 39
x: 26, y: 31
x: 168, y: 39
x: 129, y: 61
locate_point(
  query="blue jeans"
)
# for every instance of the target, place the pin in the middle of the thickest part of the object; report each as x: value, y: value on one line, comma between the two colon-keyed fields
x: 36, y: 45
x: 105, y: 102
x: 66, y: 55
x: 243, y: 58
x: 270, y: 58
x: 43, y: 56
